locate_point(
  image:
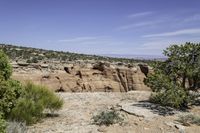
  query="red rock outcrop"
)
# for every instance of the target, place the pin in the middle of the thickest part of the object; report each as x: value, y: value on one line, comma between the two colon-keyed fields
x: 102, y: 77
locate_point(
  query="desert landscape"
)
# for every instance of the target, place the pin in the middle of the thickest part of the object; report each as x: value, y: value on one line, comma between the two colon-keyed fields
x: 79, y: 108
x: 89, y: 87
x: 99, y: 66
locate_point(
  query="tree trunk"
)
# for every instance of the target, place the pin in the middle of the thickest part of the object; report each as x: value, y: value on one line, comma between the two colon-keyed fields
x: 183, y: 81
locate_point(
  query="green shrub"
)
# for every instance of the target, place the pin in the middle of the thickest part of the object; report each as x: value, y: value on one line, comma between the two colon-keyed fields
x: 107, y: 118
x: 10, y: 91
x: 31, y: 105
x: 166, y: 92
x: 28, y: 61
x: 27, y: 111
x: 42, y: 94
x: 2, y: 125
x: 33, y: 60
x: 53, y: 103
x: 5, y: 67
x: 186, y: 120
x: 176, y: 98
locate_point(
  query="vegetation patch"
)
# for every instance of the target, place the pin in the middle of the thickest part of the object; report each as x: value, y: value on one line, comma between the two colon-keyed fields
x: 188, y: 119
x: 31, y: 106
x: 107, y: 118
x: 33, y: 55
x: 2, y: 125
x: 173, y: 80
x: 10, y: 90
x: 22, y: 104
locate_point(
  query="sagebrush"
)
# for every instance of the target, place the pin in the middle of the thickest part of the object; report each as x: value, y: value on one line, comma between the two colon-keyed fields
x: 107, y: 118
x: 30, y: 107
x: 189, y: 119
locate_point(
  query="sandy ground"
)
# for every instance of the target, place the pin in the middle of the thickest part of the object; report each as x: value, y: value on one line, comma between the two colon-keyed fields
x: 75, y: 116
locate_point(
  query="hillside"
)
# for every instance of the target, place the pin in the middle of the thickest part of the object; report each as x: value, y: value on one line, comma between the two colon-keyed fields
x: 34, y: 55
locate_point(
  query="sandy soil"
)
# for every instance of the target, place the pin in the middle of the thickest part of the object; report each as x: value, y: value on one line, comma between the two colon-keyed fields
x: 75, y: 116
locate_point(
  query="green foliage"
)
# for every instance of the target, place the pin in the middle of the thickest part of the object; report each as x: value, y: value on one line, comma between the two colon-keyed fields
x: 184, y: 63
x: 186, y: 120
x: 167, y: 92
x: 31, y: 105
x: 28, y: 61
x: 157, y: 81
x: 32, y: 60
x: 2, y: 125
x: 10, y: 91
x: 5, y: 67
x: 107, y: 118
x: 43, y: 95
x: 173, y: 78
x: 173, y: 97
x: 27, y: 111
x: 23, y: 103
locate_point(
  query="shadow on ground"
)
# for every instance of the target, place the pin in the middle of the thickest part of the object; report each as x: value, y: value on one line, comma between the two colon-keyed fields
x: 157, y: 109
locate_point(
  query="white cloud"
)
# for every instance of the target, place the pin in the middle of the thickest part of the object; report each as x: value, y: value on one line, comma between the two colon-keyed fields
x: 140, y: 14
x: 101, y: 41
x: 140, y: 24
x: 176, y: 33
x: 78, y: 39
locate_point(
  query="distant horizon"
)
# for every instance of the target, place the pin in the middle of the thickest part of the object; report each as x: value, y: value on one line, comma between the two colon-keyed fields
x: 100, y: 27
x: 128, y: 56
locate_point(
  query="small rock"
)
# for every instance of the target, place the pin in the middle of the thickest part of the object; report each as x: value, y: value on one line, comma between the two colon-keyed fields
x: 177, y: 126
x: 170, y: 124
x: 161, y: 128
x: 102, y: 129
x: 145, y: 128
x: 180, y: 128
x: 139, y: 109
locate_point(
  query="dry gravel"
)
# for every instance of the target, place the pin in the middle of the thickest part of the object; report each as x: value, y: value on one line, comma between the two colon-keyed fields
x: 75, y: 116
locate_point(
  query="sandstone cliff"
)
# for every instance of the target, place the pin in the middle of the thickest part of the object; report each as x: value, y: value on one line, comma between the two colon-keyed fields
x: 93, y: 77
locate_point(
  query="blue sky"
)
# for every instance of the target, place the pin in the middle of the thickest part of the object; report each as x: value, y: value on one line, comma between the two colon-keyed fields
x: 138, y: 27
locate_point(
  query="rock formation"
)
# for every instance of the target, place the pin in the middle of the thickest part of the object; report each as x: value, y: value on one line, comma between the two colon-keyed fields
x: 101, y: 76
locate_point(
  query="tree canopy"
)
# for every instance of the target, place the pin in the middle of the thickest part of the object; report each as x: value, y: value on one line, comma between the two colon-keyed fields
x: 174, y: 78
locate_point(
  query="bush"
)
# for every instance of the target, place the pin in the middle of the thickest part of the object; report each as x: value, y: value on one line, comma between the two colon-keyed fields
x: 2, y: 125
x: 27, y: 111
x: 33, y: 60
x: 5, y: 67
x: 31, y: 105
x: 176, y: 98
x: 10, y: 91
x: 167, y: 93
x: 43, y: 95
x: 107, y: 118
x: 186, y: 120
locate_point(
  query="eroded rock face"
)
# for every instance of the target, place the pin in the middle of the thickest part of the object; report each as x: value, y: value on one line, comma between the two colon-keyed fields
x: 98, y: 77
